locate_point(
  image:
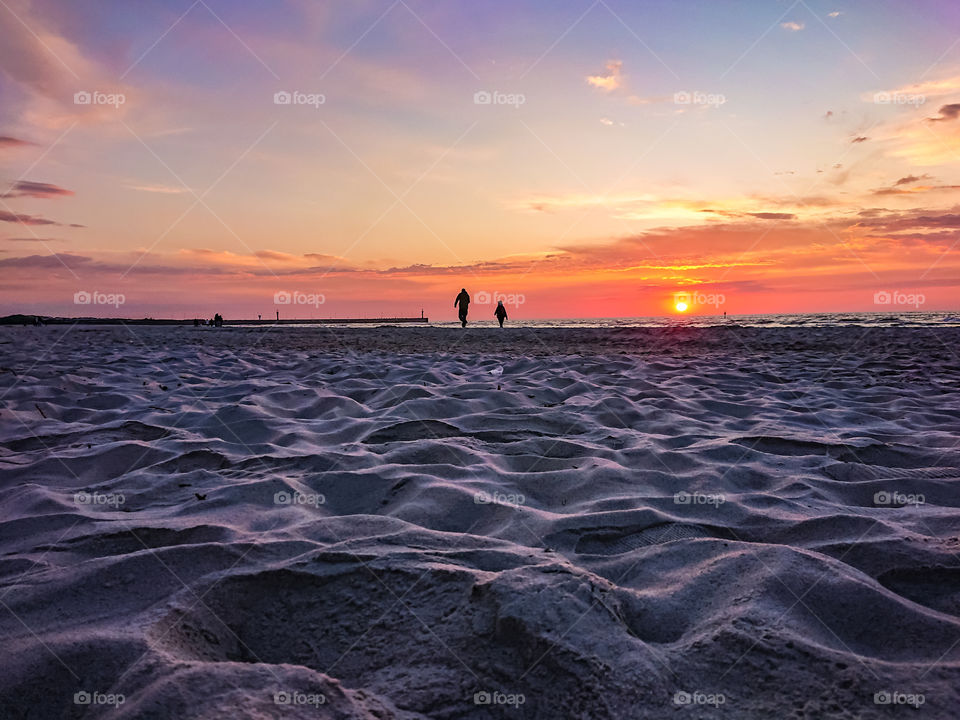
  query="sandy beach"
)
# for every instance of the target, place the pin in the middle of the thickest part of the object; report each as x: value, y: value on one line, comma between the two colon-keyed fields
x: 435, y: 523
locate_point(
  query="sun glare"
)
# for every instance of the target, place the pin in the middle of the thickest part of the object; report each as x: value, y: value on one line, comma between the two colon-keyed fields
x: 681, y: 307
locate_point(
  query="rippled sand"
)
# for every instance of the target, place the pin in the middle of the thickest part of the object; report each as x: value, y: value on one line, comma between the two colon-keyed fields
x: 425, y: 522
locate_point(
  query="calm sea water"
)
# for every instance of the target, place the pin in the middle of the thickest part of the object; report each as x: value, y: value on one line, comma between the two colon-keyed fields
x: 873, y: 319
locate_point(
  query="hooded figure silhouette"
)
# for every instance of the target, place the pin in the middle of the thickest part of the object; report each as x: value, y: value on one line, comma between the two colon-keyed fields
x: 463, y: 300
x: 500, y: 312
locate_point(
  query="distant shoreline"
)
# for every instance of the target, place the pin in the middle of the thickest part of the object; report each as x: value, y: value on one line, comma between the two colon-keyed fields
x: 904, y: 318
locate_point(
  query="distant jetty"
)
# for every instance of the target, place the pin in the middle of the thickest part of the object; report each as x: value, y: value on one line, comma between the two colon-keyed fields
x: 31, y: 319
x: 330, y: 321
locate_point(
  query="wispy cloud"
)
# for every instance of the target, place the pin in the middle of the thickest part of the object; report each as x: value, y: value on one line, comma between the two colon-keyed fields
x: 910, y: 179
x: 160, y: 189
x: 928, y: 88
x: 10, y: 217
x: 947, y: 113
x: 32, y: 240
x: 908, y: 186
x: 793, y: 26
x: 773, y: 216
x: 26, y: 188
x: 921, y: 218
x: 11, y: 142
x: 612, y: 80
x: 923, y: 140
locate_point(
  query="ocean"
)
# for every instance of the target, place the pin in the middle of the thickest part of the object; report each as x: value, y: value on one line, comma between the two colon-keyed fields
x: 863, y: 319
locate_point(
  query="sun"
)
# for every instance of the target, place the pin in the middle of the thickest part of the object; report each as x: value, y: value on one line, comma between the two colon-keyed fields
x: 681, y: 307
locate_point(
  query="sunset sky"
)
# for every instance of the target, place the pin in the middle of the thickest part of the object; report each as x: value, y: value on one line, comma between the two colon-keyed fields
x: 781, y: 156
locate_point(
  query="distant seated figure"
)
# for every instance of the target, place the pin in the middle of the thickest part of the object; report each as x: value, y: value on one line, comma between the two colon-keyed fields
x: 196, y: 322
x: 463, y: 300
x: 500, y: 312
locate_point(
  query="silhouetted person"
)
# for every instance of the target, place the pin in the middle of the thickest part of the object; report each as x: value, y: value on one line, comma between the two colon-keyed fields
x: 463, y: 300
x: 218, y: 320
x: 500, y: 312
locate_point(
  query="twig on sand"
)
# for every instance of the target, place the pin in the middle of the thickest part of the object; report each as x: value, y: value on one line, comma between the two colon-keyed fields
x: 39, y: 410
